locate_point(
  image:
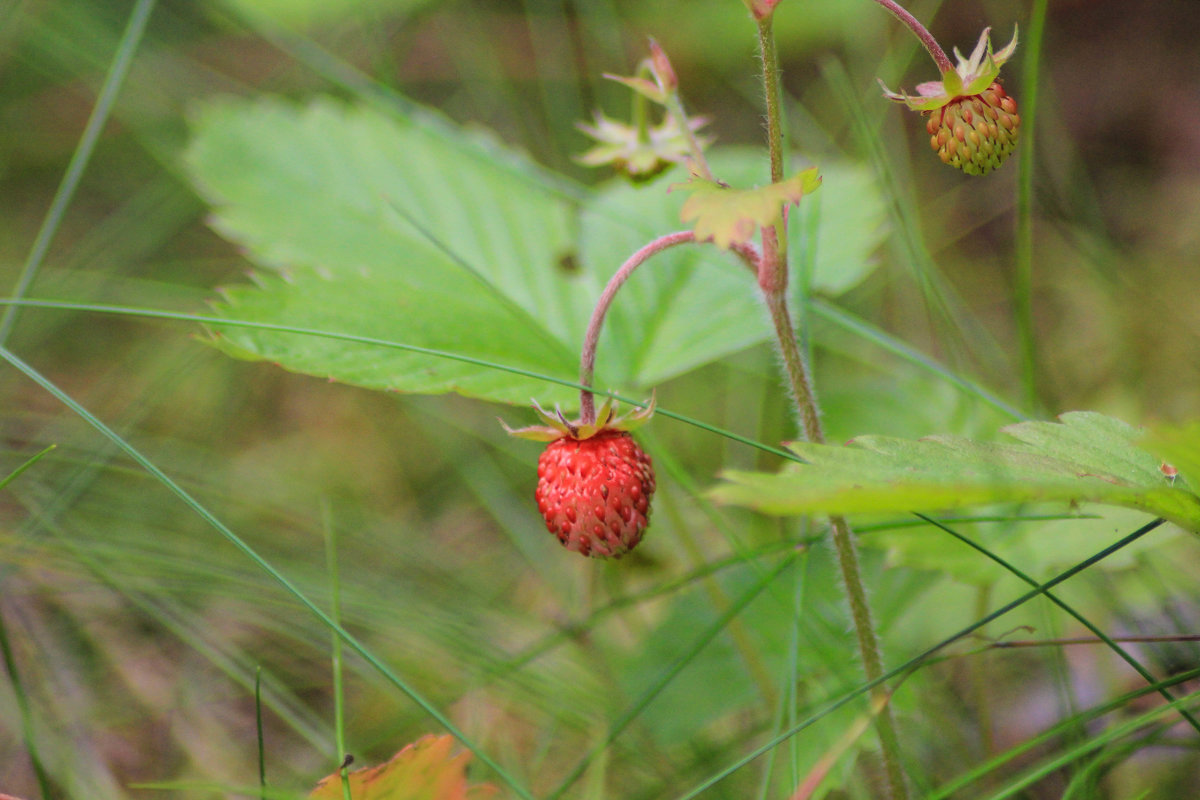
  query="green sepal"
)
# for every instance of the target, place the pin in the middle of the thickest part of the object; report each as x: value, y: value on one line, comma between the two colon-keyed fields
x: 557, y: 426
x: 952, y: 84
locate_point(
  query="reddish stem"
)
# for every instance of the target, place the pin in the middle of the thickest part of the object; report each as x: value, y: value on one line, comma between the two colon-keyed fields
x: 587, y: 360
x: 939, y: 55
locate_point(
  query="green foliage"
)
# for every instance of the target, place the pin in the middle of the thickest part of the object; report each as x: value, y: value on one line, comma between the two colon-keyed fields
x: 1086, y: 457
x: 378, y: 226
x: 672, y: 669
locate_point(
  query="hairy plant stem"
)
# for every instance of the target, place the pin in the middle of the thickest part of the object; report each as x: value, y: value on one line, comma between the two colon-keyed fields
x: 770, y: 73
x: 773, y: 280
x: 935, y: 50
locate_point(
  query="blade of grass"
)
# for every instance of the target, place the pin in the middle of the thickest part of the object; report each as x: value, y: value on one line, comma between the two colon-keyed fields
x: 958, y: 331
x: 870, y: 333
x: 182, y: 624
x: 1124, y: 654
x: 284, y: 582
x: 1023, y: 284
x: 43, y: 519
x: 1056, y: 732
x: 29, y: 462
x: 258, y: 730
x: 669, y: 673
x: 26, y: 713
x: 917, y: 660
x: 14, y: 676
x: 335, y: 613
x: 134, y: 28
x: 1088, y: 746
x: 831, y: 756
x: 216, y: 321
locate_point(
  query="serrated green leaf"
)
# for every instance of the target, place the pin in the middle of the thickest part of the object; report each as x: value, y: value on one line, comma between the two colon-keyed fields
x: 376, y: 226
x: 727, y: 216
x: 1086, y: 457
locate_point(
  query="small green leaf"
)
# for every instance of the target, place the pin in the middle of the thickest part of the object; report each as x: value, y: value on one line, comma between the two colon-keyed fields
x: 1086, y: 457
x: 727, y: 216
x: 424, y: 770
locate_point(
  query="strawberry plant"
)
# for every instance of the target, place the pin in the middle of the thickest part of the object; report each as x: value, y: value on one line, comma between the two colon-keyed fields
x: 818, y: 549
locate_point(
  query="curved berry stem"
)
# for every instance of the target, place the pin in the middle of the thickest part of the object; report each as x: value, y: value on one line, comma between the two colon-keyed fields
x: 587, y: 359
x: 935, y: 50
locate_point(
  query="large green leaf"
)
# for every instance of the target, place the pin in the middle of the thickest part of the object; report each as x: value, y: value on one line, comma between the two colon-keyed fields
x: 375, y: 225
x: 1086, y: 457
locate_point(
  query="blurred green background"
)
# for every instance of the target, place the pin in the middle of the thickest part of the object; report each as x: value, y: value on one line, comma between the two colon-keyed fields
x: 133, y: 631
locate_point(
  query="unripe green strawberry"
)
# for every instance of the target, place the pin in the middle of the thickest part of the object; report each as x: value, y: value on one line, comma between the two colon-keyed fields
x: 594, y: 481
x: 975, y: 133
x: 595, y: 493
x: 972, y: 122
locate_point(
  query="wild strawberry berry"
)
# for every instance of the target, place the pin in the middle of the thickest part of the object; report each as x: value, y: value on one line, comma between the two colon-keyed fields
x: 594, y: 482
x: 595, y: 493
x: 975, y: 133
x: 972, y: 122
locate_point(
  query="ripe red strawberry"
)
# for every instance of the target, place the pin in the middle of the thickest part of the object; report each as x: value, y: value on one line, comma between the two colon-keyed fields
x: 595, y: 493
x: 594, y: 481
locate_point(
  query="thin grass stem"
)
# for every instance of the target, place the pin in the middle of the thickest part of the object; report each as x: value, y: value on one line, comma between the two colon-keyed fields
x: 113, y: 81
x: 1023, y: 284
x: 205, y: 319
x: 669, y: 674
x: 335, y: 613
x: 1124, y: 654
x: 1059, y: 730
x: 921, y: 658
x: 259, y: 737
x: 284, y: 582
x: 28, y: 736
